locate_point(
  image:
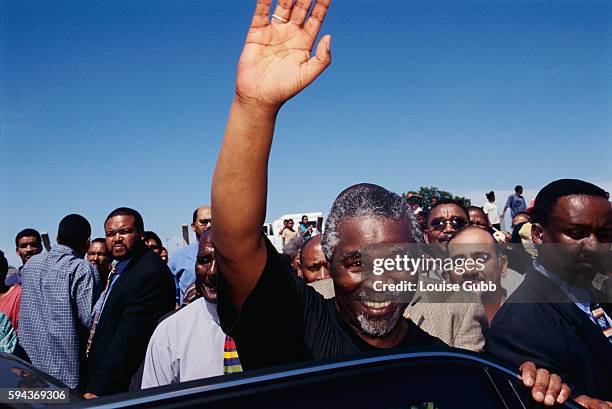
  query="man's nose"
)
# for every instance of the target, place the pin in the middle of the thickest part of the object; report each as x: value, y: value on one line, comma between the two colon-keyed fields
x: 448, y: 228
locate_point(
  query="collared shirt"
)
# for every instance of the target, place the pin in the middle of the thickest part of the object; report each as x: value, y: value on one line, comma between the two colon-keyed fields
x: 119, y: 268
x: 182, y: 265
x: 58, y: 291
x: 185, y: 346
x: 576, y: 294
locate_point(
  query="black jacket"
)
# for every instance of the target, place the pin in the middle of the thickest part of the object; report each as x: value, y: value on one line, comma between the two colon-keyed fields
x: 556, y: 335
x: 140, y: 296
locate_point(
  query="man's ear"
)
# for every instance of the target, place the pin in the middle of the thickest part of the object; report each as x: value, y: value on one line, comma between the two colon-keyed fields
x: 298, y: 264
x: 504, y: 265
x: 536, y: 233
x: 193, y: 227
x: 426, y: 237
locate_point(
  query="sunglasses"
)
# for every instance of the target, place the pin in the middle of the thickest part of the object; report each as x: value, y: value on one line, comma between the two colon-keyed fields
x: 456, y: 222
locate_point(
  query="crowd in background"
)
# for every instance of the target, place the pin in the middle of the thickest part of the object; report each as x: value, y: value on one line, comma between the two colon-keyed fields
x: 53, y: 303
x: 114, y: 314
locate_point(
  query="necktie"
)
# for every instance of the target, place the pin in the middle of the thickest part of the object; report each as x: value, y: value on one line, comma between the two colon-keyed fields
x: 92, y: 331
x: 231, y: 362
x: 602, y: 321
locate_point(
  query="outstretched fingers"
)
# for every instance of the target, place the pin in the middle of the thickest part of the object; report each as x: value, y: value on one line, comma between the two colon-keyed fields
x: 261, y: 16
x: 314, y: 22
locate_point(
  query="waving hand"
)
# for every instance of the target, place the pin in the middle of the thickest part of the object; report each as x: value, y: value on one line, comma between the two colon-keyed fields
x: 275, y: 65
x: 276, y: 61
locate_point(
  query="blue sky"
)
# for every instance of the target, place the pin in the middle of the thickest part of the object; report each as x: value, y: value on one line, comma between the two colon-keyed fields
x: 114, y: 103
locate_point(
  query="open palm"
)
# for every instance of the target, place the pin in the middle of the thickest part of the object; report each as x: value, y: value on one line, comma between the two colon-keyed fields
x: 275, y: 63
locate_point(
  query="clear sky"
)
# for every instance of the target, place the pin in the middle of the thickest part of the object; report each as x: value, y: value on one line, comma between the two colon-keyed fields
x: 113, y: 103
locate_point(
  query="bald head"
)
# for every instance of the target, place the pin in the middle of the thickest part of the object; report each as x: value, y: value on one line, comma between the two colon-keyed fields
x: 479, y: 245
x: 520, y: 218
x: 313, y: 264
x: 202, y: 220
x: 472, y: 235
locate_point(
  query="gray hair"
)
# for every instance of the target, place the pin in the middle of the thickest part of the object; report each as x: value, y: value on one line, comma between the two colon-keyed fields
x: 366, y: 200
x: 294, y: 246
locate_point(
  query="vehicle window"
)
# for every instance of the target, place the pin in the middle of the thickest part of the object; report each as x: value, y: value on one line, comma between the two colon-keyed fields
x: 431, y: 386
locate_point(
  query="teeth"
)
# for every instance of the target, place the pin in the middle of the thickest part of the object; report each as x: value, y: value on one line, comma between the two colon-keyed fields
x: 377, y: 304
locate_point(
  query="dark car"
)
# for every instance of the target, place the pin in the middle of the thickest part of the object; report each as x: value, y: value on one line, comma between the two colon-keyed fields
x: 398, y: 380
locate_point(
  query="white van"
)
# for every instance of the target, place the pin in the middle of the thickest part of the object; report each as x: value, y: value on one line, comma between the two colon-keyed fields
x: 315, y: 219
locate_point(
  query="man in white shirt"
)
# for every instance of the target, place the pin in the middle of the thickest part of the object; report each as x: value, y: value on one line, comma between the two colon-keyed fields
x: 190, y: 344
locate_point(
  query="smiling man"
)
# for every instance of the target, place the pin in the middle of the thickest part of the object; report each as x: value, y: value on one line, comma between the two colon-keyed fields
x: 190, y: 343
x: 275, y: 317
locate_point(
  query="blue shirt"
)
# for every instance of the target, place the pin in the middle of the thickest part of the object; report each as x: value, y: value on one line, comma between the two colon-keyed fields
x: 303, y: 228
x: 119, y: 267
x: 58, y: 291
x: 182, y: 265
x: 516, y: 204
x: 573, y: 292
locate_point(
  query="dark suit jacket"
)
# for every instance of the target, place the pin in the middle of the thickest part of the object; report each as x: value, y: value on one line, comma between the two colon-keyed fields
x: 141, y: 295
x: 557, y: 336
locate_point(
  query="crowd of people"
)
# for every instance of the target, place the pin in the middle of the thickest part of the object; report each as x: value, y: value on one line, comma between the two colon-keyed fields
x: 114, y: 314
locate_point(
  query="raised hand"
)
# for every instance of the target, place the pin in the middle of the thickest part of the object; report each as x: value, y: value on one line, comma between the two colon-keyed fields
x: 276, y: 61
x: 274, y: 66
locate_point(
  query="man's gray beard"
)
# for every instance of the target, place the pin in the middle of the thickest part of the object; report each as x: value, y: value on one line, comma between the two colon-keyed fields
x: 376, y: 327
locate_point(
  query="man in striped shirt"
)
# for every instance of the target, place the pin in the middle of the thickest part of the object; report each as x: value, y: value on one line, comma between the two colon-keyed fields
x: 190, y: 344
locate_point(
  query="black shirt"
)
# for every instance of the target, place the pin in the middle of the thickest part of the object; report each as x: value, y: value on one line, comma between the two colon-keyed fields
x: 284, y: 320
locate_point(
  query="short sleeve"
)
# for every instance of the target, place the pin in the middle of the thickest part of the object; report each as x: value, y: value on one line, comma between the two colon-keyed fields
x: 159, y: 369
x: 268, y: 329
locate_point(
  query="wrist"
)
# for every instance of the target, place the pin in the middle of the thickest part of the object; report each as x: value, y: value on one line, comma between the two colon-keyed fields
x: 255, y: 108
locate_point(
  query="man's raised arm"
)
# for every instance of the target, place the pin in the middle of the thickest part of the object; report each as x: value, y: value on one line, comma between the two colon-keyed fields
x: 275, y: 65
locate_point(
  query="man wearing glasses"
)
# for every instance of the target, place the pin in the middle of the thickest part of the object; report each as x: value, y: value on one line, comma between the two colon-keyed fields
x: 445, y: 218
x: 182, y: 263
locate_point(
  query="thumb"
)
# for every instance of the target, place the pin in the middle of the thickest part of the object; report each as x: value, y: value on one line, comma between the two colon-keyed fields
x: 323, y: 52
x: 321, y: 59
